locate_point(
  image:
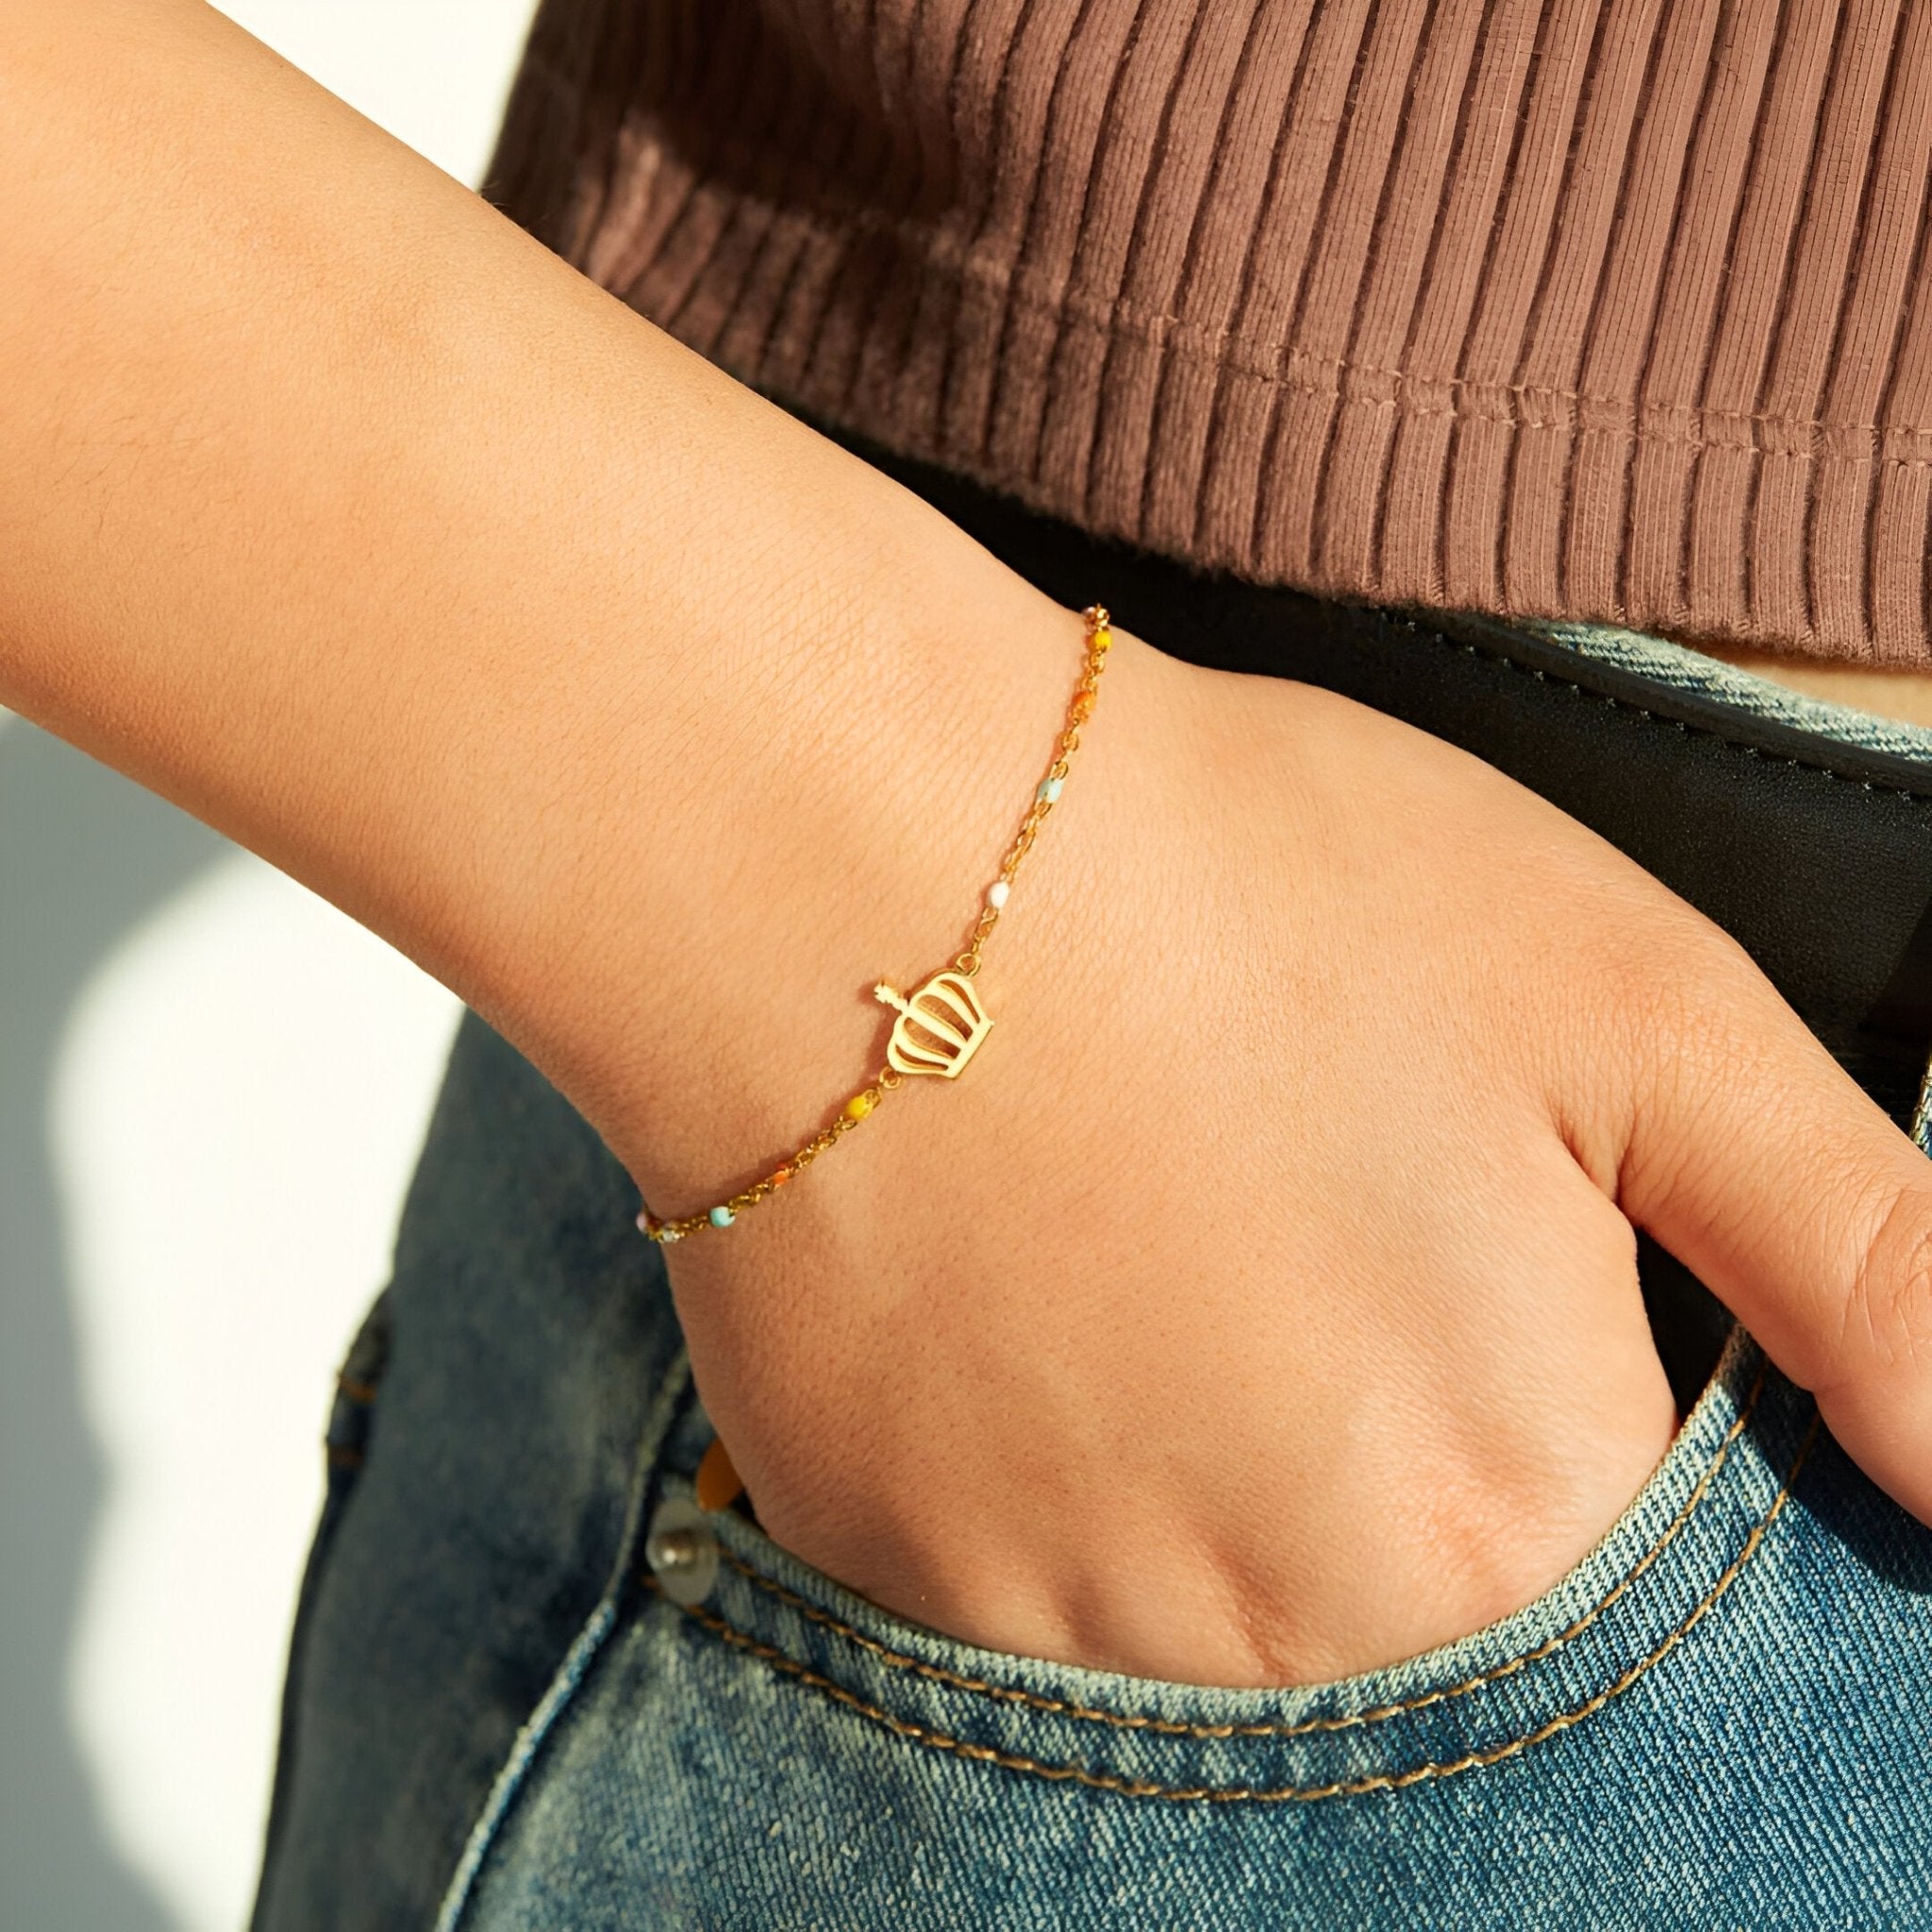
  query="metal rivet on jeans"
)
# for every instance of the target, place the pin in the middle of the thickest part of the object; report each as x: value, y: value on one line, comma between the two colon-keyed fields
x: 682, y: 1551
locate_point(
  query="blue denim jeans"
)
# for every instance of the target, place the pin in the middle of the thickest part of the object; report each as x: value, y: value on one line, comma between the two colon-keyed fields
x: 501, y: 1715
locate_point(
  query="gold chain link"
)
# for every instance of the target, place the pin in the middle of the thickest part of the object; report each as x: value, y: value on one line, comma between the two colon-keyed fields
x: 860, y: 1106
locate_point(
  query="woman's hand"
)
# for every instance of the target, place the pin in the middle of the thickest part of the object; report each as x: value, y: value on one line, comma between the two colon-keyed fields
x: 1261, y: 1305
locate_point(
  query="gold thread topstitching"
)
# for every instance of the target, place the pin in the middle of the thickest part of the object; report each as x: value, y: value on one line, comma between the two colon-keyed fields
x: 1389, y: 1781
x: 1180, y: 1727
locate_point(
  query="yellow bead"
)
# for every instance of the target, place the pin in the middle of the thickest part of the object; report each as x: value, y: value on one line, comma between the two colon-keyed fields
x: 859, y: 1106
x: 1103, y: 639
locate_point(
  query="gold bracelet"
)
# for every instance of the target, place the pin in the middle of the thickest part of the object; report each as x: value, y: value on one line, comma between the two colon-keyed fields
x: 941, y: 1024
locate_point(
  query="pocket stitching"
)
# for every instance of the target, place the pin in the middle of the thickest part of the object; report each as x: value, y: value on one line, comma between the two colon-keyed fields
x: 1381, y: 1781
x: 1136, y: 1721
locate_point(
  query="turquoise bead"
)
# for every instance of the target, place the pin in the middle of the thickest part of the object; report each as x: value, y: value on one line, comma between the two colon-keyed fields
x: 1049, y: 789
x: 722, y: 1217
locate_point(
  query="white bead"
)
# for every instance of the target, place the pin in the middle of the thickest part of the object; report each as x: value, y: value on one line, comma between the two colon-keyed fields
x: 996, y: 892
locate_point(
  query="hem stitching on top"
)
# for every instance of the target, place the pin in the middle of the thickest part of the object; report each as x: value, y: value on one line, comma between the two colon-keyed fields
x: 1281, y: 364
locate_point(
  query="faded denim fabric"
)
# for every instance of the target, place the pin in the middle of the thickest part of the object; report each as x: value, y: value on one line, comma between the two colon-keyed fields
x: 1718, y: 1720
x: 499, y: 1721
x: 1682, y: 669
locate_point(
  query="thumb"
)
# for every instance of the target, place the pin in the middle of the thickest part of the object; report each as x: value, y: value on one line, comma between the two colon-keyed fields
x: 1760, y: 1164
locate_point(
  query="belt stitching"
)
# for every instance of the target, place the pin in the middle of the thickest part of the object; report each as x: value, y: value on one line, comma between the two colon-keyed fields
x: 1740, y: 745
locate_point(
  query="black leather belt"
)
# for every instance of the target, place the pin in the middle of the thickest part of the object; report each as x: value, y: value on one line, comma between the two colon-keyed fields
x: 1815, y: 855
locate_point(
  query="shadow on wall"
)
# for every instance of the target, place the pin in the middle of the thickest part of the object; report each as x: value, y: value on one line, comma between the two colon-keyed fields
x: 85, y: 855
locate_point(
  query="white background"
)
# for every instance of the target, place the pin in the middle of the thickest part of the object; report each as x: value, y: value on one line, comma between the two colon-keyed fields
x: 213, y: 1087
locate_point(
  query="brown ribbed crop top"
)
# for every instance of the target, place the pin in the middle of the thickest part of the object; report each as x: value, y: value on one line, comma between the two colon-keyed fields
x: 1616, y: 309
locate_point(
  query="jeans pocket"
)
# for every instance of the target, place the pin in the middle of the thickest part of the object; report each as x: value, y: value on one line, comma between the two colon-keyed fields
x: 1648, y: 1595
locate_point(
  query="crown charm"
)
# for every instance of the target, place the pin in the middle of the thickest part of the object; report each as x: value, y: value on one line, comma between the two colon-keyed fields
x: 937, y: 1028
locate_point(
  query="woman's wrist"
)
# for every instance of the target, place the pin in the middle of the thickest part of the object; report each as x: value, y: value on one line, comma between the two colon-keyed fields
x: 720, y: 1019
x: 1083, y: 987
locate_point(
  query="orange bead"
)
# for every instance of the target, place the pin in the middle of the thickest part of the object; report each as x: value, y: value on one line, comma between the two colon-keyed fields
x: 1083, y: 707
x: 719, y: 1484
x: 780, y: 1175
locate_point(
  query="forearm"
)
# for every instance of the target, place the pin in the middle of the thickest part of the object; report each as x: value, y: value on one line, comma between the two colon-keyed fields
x: 340, y: 511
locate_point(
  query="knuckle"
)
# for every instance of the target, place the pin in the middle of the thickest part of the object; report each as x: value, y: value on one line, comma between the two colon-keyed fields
x: 1886, y: 1318
x: 1671, y: 974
